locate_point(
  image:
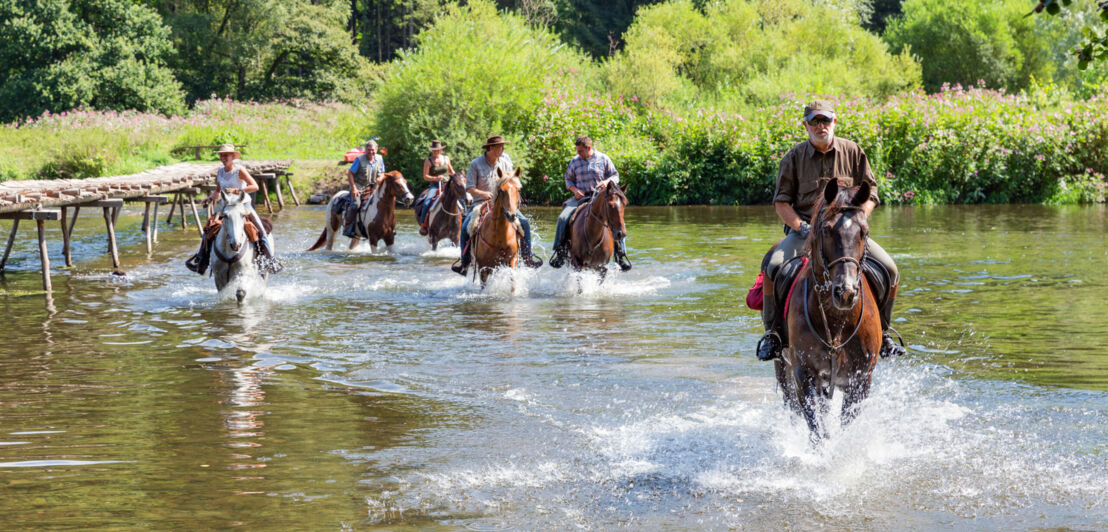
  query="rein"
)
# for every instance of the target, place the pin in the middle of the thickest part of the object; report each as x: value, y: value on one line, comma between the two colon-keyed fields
x: 604, y: 226
x: 822, y: 289
x: 242, y: 248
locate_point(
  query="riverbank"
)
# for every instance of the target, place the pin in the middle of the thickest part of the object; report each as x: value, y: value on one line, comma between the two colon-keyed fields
x: 958, y: 146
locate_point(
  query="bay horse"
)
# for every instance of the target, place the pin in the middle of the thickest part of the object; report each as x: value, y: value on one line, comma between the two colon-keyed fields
x: 496, y: 242
x: 234, y: 253
x: 376, y: 217
x: 445, y: 218
x: 833, y: 320
x: 592, y: 234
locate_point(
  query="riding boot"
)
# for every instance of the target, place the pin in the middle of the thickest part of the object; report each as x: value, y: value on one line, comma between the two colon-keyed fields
x: 621, y: 255
x: 771, y: 344
x: 199, y: 262
x: 889, y: 347
x: 529, y: 260
x: 350, y: 218
x: 560, y: 253
x: 462, y: 264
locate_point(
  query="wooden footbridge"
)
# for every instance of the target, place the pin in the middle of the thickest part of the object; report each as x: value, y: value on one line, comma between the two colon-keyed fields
x: 44, y: 201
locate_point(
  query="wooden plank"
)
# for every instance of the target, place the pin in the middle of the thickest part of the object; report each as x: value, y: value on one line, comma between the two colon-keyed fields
x: 44, y: 255
x: 65, y: 240
x: 108, y: 217
x: 11, y: 240
x: 146, y: 229
x: 288, y: 181
x: 32, y: 215
x: 265, y: 195
x: 106, y: 203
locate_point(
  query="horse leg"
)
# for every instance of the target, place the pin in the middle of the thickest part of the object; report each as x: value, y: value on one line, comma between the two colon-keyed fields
x: 813, y: 404
x: 788, y: 388
x: 856, y: 392
x: 603, y: 273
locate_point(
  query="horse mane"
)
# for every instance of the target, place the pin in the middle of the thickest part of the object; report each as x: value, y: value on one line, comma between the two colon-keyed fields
x: 612, y: 186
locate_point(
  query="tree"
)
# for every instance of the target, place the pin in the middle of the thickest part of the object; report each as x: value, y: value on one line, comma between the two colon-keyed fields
x: 57, y: 55
x: 1094, y: 47
x: 964, y: 41
x: 738, y: 53
x: 262, y: 49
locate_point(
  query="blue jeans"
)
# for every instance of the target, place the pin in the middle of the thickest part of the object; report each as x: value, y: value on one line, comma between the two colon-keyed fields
x: 425, y: 206
x: 523, y: 222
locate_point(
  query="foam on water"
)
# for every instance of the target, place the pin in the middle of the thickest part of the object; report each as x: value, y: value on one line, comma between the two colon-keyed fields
x: 923, y: 440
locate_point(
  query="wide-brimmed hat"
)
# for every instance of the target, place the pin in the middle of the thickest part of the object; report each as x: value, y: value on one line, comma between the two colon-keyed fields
x: 819, y: 108
x: 493, y: 141
x: 227, y: 148
x: 437, y: 145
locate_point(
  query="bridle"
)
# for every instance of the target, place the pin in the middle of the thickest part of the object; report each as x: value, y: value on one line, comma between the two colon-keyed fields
x: 823, y: 288
x: 242, y: 248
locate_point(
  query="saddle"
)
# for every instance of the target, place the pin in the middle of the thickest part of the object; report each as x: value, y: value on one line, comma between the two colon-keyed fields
x: 875, y: 272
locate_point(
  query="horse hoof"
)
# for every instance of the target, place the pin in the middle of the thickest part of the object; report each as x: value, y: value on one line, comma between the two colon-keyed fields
x: 240, y: 294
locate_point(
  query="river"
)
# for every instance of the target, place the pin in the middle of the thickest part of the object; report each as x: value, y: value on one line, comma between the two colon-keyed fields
x: 381, y: 391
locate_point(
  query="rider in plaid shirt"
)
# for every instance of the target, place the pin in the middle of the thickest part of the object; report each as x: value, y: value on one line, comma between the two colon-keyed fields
x: 585, y: 171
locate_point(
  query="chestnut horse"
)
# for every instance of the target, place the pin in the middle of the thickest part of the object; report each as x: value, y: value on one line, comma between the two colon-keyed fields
x: 496, y: 242
x: 592, y: 234
x: 833, y: 320
x: 376, y: 218
x: 445, y: 218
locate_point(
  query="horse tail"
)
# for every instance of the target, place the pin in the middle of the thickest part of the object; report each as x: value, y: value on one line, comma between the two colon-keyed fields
x: 319, y: 243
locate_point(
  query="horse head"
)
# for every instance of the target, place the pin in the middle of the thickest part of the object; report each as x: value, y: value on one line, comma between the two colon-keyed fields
x: 455, y: 187
x: 394, y: 184
x: 506, y: 194
x: 233, y: 216
x: 837, y: 242
x: 612, y: 200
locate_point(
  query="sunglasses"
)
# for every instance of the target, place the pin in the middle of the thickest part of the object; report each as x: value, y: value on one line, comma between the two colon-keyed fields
x: 820, y: 121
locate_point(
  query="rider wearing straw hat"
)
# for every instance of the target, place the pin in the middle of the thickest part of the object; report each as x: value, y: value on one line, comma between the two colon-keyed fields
x: 480, y: 180
x: 231, y: 178
x: 436, y: 170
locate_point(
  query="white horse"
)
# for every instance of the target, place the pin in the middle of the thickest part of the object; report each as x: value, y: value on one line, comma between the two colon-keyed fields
x: 234, y: 253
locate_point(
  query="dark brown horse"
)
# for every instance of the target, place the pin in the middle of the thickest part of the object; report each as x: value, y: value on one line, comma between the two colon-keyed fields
x: 377, y: 216
x: 496, y: 242
x: 445, y: 218
x: 593, y: 232
x: 834, y: 325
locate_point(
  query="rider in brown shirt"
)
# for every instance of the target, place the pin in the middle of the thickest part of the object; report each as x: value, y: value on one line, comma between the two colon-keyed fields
x: 803, y: 172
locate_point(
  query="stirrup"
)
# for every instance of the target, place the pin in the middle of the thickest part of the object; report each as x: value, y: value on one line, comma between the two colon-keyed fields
x: 888, y: 348
x: 558, y: 260
x: 459, y: 268
x: 623, y: 261
x: 193, y: 263
x: 770, y: 336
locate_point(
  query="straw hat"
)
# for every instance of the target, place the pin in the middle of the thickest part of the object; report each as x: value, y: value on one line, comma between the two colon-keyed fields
x: 493, y: 141
x: 227, y: 148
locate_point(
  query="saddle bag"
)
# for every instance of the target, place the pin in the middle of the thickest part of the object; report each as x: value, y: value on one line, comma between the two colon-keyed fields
x: 755, y: 299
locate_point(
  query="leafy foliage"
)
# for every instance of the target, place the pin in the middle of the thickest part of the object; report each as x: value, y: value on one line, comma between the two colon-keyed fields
x: 740, y: 53
x: 263, y: 49
x: 475, y: 74
x: 964, y: 41
x: 57, y: 55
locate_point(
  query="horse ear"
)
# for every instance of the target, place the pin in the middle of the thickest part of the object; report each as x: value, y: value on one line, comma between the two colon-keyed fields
x: 862, y: 195
x: 242, y: 195
x: 519, y: 172
x: 830, y: 191
x: 499, y: 172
